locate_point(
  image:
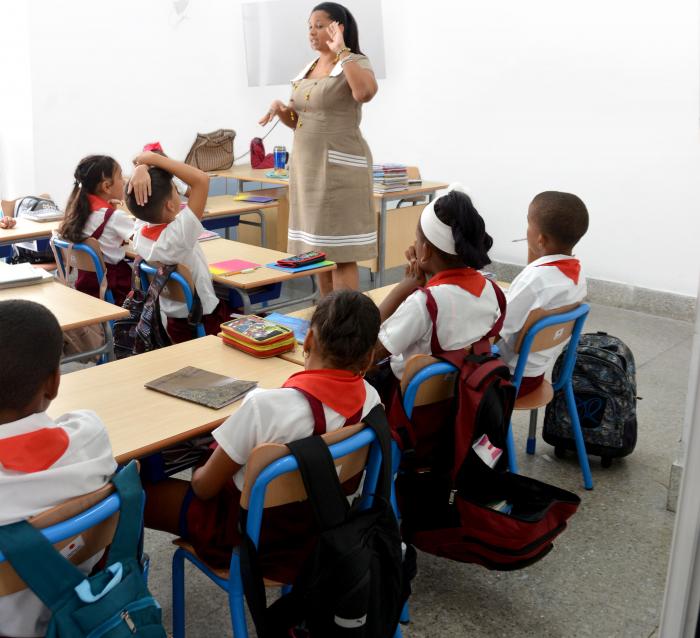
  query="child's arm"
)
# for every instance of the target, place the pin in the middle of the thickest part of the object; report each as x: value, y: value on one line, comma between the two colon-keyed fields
x: 197, y: 180
x: 209, y: 480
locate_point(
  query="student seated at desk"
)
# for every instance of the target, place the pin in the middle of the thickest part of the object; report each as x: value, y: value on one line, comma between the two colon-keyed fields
x: 43, y: 461
x: 338, y: 350
x: 170, y: 235
x: 552, y: 278
x: 92, y: 211
x: 451, y: 245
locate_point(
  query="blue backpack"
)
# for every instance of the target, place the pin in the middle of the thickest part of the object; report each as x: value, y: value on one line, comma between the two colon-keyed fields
x: 115, y: 602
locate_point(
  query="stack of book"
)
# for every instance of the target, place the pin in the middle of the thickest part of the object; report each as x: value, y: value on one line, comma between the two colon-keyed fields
x: 389, y: 178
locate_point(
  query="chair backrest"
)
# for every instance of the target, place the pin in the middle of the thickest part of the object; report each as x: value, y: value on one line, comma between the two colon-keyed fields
x: 180, y: 286
x: 86, y: 255
x: 423, y: 385
x: 289, y: 487
x: 549, y: 336
x: 87, y: 522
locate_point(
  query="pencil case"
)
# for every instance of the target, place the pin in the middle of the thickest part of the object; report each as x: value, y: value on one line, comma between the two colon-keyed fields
x: 257, y: 337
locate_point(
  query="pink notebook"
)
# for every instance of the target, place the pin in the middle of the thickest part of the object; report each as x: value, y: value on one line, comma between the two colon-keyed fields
x: 231, y: 267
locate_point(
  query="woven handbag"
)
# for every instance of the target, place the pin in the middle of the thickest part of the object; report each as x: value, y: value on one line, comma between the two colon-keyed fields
x: 212, y: 151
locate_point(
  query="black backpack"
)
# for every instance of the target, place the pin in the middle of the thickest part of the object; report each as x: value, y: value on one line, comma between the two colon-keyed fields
x: 142, y: 331
x: 355, y: 581
x: 605, y: 389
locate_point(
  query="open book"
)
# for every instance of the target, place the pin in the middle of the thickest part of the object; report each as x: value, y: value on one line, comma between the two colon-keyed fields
x: 24, y: 274
x: 203, y: 387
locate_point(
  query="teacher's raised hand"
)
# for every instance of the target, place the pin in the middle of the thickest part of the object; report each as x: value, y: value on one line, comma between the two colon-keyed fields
x: 336, y: 41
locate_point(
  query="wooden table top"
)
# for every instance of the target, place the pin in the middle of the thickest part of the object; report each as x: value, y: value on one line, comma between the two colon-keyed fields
x: 26, y: 230
x: 245, y: 173
x: 142, y: 421
x: 72, y: 308
x: 222, y: 205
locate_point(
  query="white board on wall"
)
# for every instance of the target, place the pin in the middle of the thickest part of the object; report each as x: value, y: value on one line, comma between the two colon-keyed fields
x: 277, y: 44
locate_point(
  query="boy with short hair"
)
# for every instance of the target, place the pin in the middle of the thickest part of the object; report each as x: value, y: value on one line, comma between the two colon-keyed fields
x: 170, y: 235
x: 43, y: 462
x: 552, y: 278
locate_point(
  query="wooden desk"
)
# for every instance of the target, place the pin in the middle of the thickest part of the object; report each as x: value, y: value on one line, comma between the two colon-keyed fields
x: 245, y: 173
x: 141, y: 421
x: 221, y: 207
x: 72, y: 308
x: 27, y: 230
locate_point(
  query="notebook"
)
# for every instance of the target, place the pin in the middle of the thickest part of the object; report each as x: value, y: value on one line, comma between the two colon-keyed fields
x: 318, y: 264
x: 12, y: 276
x: 230, y: 267
x: 207, y: 235
x: 200, y: 386
x: 257, y: 199
x: 297, y: 324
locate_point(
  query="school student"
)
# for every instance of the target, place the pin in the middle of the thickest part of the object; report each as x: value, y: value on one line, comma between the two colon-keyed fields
x: 338, y: 350
x: 92, y: 211
x: 552, y: 278
x: 451, y: 246
x: 43, y: 461
x: 170, y: 235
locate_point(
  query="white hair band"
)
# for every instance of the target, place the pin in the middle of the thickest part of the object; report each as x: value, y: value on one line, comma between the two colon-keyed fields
x: 437, y: 232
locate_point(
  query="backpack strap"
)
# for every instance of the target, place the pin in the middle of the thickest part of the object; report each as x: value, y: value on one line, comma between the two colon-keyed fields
x: 431, y: 305
x: 320, y: 416
x: 101, y: 228
x: 45, y: 571
x: 149, y: 321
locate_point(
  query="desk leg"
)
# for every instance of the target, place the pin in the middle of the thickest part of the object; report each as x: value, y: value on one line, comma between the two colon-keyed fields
x: 381, y: 249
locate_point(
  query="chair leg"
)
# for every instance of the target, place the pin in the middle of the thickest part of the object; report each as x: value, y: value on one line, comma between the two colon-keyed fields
x: 405, y: 617
x: 578, y: 436
x: 235, y: 599
x: 178, y: 574
x: 510, y: 448
x: 532, y: 435
x: 397, y: 633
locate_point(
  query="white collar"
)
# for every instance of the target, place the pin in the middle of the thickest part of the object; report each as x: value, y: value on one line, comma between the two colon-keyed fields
x: 29, y: 423
x: 336, y: 71
x: 548, y: 259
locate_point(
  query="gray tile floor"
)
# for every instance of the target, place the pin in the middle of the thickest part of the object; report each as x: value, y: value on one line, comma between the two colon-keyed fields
x: 607, y: 572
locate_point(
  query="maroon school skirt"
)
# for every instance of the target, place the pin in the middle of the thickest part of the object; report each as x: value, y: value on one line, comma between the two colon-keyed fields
x: 529, y: 384
x: 179, y: 330
x: 118, y: 281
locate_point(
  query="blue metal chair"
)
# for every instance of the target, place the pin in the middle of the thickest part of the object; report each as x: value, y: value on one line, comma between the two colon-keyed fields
x: 353, y: 448
x: 543, y: 330
x: 180, y: 287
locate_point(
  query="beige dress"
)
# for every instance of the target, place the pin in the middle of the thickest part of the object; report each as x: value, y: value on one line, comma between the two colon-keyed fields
x: 330, y: 172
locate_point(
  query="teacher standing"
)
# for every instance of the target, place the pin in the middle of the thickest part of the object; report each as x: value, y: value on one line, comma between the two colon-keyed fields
x: 331, y: 208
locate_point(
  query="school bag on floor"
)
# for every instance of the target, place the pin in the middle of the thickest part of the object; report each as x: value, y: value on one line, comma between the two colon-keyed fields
x: 142, y: 331
x: 355, y: 582
x: 115, y: 602
x: 452, y: 503
x: 605, y: 389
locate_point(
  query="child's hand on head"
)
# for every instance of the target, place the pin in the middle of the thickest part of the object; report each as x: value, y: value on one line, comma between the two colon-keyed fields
x: 145, y: 158
x: 7, y: 222
x: 140, y: 184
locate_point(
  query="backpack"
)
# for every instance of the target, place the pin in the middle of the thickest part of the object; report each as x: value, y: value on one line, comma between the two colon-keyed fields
x: 113, y: 603
x: 258, y: 158
x: 142, y: 331
x: 452, y: 503
x: 605, y: 390
x: 23, y: 252
x: 356, y: 581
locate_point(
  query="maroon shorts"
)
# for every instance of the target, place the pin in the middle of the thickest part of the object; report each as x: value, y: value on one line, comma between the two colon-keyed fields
x: 529, y: 384
x: 179, y: 330
x: 118, y: 281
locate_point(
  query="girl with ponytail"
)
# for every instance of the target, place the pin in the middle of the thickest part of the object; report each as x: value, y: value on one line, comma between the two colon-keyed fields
x: 451, y: 246
x: 98, y: 188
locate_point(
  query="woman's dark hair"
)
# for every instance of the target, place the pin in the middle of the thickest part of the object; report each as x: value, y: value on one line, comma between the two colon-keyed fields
x: 346, y: 326
x: 161, y: 190
x: 90, y: 172
x: 338, y: 13
x: 472, y: 242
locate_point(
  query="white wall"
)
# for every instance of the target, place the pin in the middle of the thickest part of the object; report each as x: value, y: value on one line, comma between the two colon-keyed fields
x: 511, y: 98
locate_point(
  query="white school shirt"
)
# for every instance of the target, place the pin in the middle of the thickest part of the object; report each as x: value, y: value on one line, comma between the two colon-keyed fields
x: 282, y: 415
x: 178, y: 244
x: 84, y: 467
x: 462, y: 319
x: 119, y: 229
x: 537, y: 286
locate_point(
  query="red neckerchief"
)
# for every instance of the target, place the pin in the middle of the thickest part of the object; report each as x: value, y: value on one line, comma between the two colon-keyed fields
x: 570, y: 267
x: 34, y: 451
x: 466, y: 278
x: 97, y: 203
x: 340, y: 390
x: 153, y: 231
